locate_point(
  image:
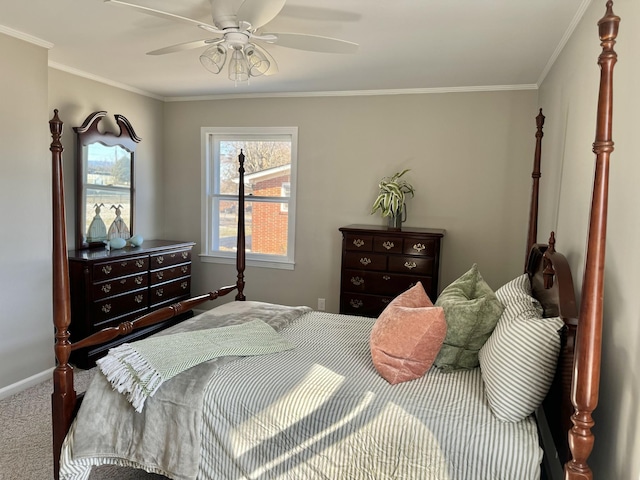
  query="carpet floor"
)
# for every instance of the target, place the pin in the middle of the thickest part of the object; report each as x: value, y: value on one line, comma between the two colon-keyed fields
x: 25, y: 437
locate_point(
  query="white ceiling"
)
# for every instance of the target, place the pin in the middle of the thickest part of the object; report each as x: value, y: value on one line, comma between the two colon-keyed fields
x: 404, y: 44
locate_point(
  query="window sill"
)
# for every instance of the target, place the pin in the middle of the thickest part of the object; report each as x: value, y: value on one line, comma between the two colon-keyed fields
x: 250, y: 262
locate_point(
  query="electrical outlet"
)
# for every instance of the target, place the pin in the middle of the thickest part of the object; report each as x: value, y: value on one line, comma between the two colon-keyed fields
x: 321, y: 305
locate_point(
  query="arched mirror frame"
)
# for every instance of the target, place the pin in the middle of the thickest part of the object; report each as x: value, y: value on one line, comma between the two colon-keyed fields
x: 89, y: 134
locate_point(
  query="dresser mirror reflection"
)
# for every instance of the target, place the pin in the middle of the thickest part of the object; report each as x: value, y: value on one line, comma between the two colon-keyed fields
x: 104, y: 181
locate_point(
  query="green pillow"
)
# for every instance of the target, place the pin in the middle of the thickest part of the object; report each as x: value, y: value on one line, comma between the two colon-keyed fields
x: 471, y: 311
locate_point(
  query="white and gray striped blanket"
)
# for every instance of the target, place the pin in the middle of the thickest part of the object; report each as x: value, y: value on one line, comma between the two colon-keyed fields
x: 321, y: 411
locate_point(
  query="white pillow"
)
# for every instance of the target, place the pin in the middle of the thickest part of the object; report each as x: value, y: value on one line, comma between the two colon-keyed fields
x: 518, y: 362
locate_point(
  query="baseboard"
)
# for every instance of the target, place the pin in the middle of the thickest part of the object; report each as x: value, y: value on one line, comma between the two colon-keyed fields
x: 26, y: 383
x: 550, y: 463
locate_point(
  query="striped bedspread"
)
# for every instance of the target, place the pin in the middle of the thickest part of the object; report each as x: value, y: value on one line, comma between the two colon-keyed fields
x: 321, y: 411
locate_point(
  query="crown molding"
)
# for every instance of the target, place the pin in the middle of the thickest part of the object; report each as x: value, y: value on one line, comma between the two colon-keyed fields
x: 356, y: 93
x: 26, y: 37
x: 106, y: 81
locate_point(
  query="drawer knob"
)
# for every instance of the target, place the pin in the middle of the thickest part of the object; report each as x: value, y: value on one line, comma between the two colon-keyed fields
x: 138, y: 298
x: 159, y: 275
x: 139, y: 280
x: 184, y: 285
x: 173, y: 255
x: 106, y: 288
x: 123, y: 281
x: 365, y: 261
x: 386, y: 277
x: 358, y: 242
x: 184, y: 269
x: 160, y: 260
x: 386, y: 300
x: 139, y: 263
x: 356, y: 303
x: 106, y: 308
x: 419, y: 247
x: 159, y: 292
x: 185, y: 255
x: 357, y: 281
x: 410, y: 265
x: 388, y: 245
x: 106, y: 269
x: 123, y: 264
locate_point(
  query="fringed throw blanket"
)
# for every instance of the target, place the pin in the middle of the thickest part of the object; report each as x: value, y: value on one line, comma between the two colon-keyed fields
x: 138, y: 369
x: 165, y: 438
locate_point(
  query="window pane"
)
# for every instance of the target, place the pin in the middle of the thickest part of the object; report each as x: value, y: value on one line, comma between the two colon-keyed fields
x: 266, y: 227
x: 267, y: 166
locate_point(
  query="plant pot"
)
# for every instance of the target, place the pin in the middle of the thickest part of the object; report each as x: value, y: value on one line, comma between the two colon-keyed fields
x: 395, y: 221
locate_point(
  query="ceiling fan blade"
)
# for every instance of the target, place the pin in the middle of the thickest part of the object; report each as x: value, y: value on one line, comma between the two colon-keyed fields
x: 273, y: 66
x: 314, y: 43
x: 166, y: 15
x: 185, y: 46
x: 259, y: 12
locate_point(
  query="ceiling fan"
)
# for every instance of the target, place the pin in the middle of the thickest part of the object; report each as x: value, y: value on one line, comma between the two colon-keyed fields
x: 238, y: 36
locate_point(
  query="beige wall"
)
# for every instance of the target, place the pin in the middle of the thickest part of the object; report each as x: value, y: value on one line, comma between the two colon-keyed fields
x: 25, y: 196
x: 76, y: 97
x: 30, y: 91
x: 569, y: 97
x: 470, y: 156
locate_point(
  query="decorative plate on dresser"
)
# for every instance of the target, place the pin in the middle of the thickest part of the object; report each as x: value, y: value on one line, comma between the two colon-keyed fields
x: 109, y: 287
x: 379, y: 263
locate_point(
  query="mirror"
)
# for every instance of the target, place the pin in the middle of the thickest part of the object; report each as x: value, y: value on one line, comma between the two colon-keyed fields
x: 105, y: 190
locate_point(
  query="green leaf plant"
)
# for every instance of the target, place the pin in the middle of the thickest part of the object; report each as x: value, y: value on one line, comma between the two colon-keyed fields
x: 390, y: 200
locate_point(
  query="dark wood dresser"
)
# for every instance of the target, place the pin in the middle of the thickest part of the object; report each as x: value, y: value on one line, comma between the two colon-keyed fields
x: 109, y: 287
x: 379, y: 263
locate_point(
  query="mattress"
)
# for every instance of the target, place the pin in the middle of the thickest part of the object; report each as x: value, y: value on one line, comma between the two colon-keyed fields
x: 321, y: 411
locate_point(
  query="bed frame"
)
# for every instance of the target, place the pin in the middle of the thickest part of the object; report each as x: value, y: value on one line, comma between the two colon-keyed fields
x: 574, y: 394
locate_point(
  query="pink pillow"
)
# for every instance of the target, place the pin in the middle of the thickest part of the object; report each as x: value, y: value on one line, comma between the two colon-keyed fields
x: 407, y: 336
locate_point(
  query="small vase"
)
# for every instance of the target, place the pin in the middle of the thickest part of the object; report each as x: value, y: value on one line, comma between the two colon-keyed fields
x: 395, y: 221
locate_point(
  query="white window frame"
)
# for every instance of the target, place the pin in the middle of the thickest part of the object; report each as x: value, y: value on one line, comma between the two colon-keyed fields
x: 209, y: 165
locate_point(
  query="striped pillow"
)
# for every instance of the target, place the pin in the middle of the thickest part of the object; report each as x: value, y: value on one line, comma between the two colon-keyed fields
x: 518, y: 362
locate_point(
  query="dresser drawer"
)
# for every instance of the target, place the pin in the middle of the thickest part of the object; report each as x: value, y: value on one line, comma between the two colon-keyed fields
x: 365, y: 261
x: 362, y: 243
x: 171, y: 273
x: 413, y: 265
x: 381, y: 283
x: 166, y: 259
x: 363, y: 305
x: 170, y: 291
x: 426, y: 247
x: 119, y: 268
x: 387, y: 244
x: 113, y: 307
x: 119, y: 285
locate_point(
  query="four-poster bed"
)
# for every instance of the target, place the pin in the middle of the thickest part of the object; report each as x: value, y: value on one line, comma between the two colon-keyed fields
x: 547, y: 270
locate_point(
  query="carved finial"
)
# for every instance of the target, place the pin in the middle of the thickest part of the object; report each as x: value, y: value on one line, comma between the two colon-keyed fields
x: 552, y: 242
x: 548, y: 272
x: 55, y: 126
x: 540, y: 121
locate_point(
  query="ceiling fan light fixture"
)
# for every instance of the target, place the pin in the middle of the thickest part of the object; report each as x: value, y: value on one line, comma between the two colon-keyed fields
x: 238, y: 66
x: 213, y: 58
x: 258, y: 63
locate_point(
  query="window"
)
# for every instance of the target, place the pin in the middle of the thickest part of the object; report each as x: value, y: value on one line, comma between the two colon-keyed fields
x: 270, y: 166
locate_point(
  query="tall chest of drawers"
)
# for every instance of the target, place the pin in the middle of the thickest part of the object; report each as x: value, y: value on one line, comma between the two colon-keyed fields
x: 110, y: 287
x: 379, y: 263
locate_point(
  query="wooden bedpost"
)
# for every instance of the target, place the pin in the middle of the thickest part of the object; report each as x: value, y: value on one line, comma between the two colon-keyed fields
x: 240, y: 255
x: 586, y: 370
x: 532, y: 236
x: 63, y: 399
